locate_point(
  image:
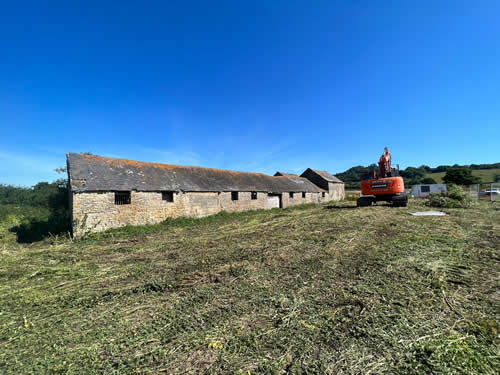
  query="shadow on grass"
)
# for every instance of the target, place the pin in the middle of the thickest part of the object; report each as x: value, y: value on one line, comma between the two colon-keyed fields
x: 58, y: 222
x: 340, y: 207
x: 36, y: 229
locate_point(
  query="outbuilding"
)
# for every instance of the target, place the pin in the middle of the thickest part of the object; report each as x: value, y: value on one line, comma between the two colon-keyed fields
x: 421, y: 191
x: 108, y: 192
x: 333, y: 187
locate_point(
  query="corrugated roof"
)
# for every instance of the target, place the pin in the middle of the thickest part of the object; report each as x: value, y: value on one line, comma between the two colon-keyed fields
x: 327, y: 176
x: 97, y: 173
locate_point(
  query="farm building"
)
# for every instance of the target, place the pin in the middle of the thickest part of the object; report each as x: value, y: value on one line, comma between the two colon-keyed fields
x: 108, y: 193
x: 421, y: 191
x: 327, y: 182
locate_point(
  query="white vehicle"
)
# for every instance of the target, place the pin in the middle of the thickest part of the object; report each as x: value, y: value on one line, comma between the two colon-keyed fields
x: 490, y: 192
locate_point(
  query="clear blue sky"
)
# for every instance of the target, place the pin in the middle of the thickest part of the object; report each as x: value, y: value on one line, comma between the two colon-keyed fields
x: 248, y: 85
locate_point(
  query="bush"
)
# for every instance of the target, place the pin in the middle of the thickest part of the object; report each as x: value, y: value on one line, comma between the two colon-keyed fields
x: 44, y: 210
x: 460, y: 176
x: 428, y: 181
x: 36, y: 229
x: 455, y: 197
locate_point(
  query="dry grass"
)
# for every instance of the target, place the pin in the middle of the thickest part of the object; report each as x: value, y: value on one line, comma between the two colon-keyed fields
x: 307, y: 290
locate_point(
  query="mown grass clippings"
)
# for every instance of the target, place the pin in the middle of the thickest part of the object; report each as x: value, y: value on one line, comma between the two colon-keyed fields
x: 306, y: 290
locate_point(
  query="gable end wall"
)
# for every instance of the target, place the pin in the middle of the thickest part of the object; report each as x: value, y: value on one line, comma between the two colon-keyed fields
x: 315, y: 179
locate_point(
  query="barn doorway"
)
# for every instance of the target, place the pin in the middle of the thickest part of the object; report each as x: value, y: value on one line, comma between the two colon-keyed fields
x: 274, y: 201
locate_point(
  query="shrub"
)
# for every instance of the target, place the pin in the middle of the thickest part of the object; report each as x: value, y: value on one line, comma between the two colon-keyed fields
x: 36, y: 229
x: 51, y: 200
x: 455, y: 197
x: 461, y: 176
x: 428, y: 181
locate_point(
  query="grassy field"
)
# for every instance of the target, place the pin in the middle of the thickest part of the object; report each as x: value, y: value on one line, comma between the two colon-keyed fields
x: 487, y: 175
x: 12, y: 215
x: 305, y: 290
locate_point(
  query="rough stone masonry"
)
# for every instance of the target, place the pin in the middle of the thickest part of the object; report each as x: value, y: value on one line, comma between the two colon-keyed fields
x: 108, y: 193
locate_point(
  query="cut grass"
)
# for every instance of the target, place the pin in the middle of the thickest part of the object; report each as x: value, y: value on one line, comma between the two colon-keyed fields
x: 303, y: 290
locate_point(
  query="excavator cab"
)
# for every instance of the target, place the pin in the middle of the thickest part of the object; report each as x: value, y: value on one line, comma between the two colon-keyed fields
x: 388, y: 186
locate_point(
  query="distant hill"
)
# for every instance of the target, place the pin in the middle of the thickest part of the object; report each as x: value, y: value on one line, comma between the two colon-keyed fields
x: 416, y: 175
x: 486, y: 175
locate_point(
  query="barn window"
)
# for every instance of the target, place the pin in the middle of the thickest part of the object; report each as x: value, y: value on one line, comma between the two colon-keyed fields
x: 234, y: 195
x: 291, y: 195
x: 122, y: 197
x: 323, y: 194
x: 167, y: 196
x: 254, y: 195
x: 425, y: 189
x: 303, y: 195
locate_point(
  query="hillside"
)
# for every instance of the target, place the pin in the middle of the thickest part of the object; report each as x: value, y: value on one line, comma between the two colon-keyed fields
x: 300, y: 290
x: 486, y: 175
x: 413, y: 175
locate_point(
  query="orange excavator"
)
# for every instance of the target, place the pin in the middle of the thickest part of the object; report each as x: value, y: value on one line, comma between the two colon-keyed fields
x: 386, y: 187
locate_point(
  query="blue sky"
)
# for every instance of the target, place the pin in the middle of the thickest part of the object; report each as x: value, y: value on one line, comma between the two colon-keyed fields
x: 248, y: 85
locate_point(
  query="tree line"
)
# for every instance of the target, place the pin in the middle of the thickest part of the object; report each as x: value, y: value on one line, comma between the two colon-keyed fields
x: 37, y: 196
x: 457, y: 174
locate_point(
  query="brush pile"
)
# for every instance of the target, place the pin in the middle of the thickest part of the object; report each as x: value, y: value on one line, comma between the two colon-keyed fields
x: 455, y: 197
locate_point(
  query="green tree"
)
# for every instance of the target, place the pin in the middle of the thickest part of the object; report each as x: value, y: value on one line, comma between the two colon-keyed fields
x: 428, y: 181
x: 413, y: 176
x: 51, y: 201
x: 354, y: 175
x: 425, y: 168
x: 460, y: 176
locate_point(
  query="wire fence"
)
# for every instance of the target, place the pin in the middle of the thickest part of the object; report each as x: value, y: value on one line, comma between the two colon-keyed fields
x: 489, y: 192
x: 495, y: 196
x: 473, y: 191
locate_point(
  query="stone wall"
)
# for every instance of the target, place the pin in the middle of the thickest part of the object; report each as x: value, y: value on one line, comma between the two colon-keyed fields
x: 288, y: 200
x: 97, y: 211
x: 336, y: 191
x: 243, y: 203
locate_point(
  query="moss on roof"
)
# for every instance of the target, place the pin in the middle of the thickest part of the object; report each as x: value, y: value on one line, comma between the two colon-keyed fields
x: 97, y: 173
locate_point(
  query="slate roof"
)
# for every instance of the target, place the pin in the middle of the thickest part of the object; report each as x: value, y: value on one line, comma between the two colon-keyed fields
x: 278, y: 173
x: 97, y: 173
x: 326, y: 176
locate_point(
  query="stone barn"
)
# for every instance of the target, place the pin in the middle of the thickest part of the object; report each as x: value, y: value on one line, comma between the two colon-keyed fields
x: 108, y: 193
x: 333, y: 187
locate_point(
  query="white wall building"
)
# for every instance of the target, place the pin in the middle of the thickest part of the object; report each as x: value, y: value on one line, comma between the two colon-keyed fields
x: 421, y: 191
